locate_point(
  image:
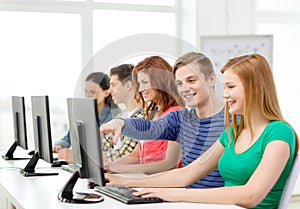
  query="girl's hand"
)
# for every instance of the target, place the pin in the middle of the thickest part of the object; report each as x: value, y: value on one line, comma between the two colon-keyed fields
x: 114, y: 180
x: 166, y: 194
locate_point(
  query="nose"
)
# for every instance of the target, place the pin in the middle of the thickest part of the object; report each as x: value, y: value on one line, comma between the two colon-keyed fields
x: 88, y: 96
x: 183, y: 87
x: 225, y: 94
x: 110, y: 90
x: 141, y: 88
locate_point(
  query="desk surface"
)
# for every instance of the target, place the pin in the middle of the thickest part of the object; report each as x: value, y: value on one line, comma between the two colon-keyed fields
x: 41, y: 192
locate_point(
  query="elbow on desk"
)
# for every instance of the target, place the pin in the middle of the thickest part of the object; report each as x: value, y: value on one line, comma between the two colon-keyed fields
x: 249, y: 200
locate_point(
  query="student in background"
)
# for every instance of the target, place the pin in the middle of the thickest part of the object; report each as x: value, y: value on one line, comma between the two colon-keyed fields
x: 122, y: 92
x: 255, y: 153
x: 157, y: 92
x: 96, y: 86
x: 196, y: 128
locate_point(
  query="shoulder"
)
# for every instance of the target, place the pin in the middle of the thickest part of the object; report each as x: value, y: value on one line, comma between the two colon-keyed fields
x: 139, y: 114
x: 279, y: 130
x: 171, y: 109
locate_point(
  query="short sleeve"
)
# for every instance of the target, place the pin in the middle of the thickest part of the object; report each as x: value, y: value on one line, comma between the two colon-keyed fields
x: 280, y: 130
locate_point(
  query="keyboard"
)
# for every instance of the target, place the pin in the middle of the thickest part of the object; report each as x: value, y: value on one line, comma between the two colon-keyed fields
x: 69, y: 168
x: 124, y: 194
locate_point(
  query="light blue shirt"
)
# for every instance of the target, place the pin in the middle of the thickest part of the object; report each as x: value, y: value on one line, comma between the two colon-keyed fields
x: 106, y: 115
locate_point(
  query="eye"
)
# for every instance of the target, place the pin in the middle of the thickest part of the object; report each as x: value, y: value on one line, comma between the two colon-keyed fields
x: 228, y: 87
x: 191, y: 80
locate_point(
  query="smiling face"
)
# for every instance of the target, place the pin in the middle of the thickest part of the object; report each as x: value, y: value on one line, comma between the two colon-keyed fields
x: 93, y: 90
x: 192, y: 86
x: 149, y: 94
x: 233, y: 92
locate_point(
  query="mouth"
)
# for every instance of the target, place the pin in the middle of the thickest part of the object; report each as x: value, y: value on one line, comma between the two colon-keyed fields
x: 230, y: 103
x: 189, y: 96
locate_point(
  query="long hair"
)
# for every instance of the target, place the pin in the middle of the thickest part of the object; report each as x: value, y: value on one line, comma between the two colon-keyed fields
x: 162, y: 80
x: 103, y: 81
x: 257, y: 79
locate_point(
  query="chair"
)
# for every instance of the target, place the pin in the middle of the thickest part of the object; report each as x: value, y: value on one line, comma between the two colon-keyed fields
x: 290, y: 184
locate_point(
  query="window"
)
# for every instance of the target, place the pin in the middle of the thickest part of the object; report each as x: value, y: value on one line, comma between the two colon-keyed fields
x: 278, y: 18
x: 40, y: 55
x: 125, y: 23
x: 45, y: 44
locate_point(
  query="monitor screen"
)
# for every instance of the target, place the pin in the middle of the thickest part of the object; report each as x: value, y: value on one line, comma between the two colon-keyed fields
x: 85, y: 139
x: 41, y: 127
x: 20, y: 132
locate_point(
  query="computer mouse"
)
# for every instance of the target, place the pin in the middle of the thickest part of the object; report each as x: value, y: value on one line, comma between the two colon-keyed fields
x: 32, y: 152
x: 59, y: 163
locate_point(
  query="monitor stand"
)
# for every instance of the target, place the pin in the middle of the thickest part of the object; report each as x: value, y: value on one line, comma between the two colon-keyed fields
x: 10, y: 153
x: 29, y: 169
x: 66, y: 194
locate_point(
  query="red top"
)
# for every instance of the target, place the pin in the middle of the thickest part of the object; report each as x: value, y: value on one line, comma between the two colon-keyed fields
x: 154, y: 150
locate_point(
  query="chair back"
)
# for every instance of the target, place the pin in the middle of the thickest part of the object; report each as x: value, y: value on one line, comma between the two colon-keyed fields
x: 290, y: 184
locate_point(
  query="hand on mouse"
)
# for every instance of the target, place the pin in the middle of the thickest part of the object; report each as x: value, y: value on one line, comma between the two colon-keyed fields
x: 65, y: 154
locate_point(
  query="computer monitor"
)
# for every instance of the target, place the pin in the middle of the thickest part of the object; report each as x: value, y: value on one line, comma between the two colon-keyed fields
x: 86, y: 149
x: 42, y: 135
x: 20, y: 131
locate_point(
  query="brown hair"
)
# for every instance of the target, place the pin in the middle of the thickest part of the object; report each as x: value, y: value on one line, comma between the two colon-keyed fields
x: 162, y: 79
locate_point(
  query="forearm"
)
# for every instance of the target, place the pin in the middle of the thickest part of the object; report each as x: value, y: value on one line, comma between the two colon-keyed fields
x: 131, y: 158
x: 171, y: 178
x: 63, y: 143
x: 234, y: 195
x: 138, y: 128
x: 150, y: 168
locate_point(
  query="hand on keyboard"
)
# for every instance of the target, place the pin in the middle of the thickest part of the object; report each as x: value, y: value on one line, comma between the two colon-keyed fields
x: 124, y: 194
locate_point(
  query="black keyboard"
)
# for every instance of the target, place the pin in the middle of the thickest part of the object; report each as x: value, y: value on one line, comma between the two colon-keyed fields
x: 124, y: 194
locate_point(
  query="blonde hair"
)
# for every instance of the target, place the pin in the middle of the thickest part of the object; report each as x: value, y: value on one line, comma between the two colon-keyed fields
x: 256, y: 76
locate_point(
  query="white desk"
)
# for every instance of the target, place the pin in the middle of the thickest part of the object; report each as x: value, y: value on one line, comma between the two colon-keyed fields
x: 41, y: 192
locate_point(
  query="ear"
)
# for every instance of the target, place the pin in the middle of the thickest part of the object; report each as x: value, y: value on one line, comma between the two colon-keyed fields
x: 128, y: 84
x: 212, y: 79
x: 106, y: 94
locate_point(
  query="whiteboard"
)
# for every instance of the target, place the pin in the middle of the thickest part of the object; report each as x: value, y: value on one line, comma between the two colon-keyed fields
x: 221, y: 48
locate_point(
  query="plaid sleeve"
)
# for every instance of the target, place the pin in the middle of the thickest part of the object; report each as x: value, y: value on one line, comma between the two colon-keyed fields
x: 107, y: 142
x: 128, y: 145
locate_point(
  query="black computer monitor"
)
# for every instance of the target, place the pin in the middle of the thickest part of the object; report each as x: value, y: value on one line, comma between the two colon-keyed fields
x: 86, y: 148
x: 42, y: 135
x: 20, y: 131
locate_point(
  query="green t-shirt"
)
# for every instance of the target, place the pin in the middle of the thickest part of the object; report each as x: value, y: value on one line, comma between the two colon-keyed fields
x: 236, y: 169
